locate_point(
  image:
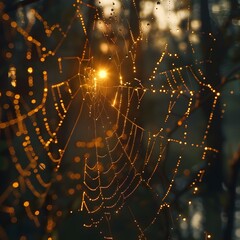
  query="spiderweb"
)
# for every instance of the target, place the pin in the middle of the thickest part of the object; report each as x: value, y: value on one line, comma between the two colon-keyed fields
x: 86, y: 131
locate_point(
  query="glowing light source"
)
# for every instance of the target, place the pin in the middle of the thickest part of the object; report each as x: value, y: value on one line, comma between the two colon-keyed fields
x: 30, y: 70
x: 15, y: 184
x: 102, y: 73
x: 26, y: 204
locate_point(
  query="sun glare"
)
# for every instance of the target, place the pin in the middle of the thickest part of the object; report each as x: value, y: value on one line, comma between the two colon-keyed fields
x: 102, y: 73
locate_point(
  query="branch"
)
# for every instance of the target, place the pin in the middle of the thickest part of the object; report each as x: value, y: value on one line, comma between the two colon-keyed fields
x: 199, y: 102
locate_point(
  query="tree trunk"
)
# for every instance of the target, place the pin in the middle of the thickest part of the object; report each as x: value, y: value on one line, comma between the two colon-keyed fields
x: 214, y: 175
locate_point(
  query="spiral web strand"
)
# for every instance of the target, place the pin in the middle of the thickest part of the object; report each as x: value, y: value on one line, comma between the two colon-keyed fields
x: 98, y: 123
